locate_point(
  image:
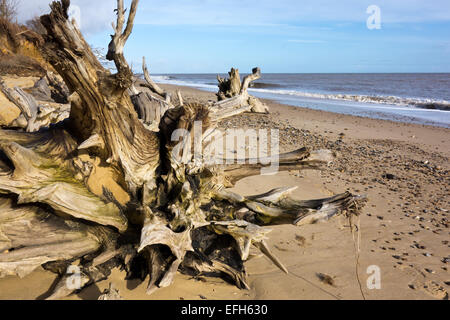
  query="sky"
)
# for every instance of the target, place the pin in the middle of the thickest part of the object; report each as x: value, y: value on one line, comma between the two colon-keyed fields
x: 298, y: 36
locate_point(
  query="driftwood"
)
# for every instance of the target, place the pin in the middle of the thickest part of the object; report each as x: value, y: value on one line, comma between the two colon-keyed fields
x: 150, y: 101
x: 34, y: 116
x: 39, y: 237
x: 41, y: 90
x: 234, y: 97
x: 111, y: 294
x: 180, y: 216
x: 50, y: 89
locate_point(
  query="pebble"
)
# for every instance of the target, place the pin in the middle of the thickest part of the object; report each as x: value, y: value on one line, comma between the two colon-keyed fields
x: 389, y: 176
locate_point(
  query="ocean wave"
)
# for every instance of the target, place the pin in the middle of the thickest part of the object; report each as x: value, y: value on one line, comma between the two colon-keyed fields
x: 428, y: 104
x: 176, y: 82
x: 161, y: 78
x: 391, y: 100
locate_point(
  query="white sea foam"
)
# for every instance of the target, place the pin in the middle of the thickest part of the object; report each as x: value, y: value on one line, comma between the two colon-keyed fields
x: 434, y: 105
x: 170, y: 80
x: 391, y: 100
x: 160, y: 79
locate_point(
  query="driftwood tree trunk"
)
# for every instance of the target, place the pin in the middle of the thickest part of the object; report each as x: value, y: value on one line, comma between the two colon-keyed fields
x: 180, y: 217
x: 33, y: 116
x: 151, y: 102
x: 234, y: 93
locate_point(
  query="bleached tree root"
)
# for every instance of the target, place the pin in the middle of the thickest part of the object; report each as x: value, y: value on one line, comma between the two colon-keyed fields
x: 111, y: 294
x: 233, y: 95
x: 34, y: 116
x: 151, y: 102
x: 36, y: 178
x: 180, y: 216
x: 31, y: 236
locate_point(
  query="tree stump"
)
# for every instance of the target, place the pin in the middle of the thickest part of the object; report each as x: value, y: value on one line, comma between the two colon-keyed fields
x: 180, y: 217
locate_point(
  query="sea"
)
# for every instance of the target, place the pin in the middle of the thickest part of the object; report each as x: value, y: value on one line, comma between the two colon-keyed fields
x: 422, y: 98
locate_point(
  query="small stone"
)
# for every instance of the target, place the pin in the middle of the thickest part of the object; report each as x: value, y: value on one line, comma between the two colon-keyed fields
x: 389, y: 176
x: 325, y: 279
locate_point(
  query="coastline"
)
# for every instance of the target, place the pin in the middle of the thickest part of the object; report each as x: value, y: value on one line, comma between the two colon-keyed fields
x: 385, y: 102
x: 427, y: 136
x: 404, y: 227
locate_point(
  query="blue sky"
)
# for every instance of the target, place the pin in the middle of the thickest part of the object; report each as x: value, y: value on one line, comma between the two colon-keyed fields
x: 211, y: 36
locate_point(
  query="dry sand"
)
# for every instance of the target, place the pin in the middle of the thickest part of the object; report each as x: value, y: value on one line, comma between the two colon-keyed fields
x: 402, y: 168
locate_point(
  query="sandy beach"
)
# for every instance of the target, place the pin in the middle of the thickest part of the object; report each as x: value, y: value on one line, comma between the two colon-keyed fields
x: 404, y: 229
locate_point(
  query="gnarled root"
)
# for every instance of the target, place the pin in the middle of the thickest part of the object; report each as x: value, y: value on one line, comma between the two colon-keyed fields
x: 34, y: 116
x: 31, y: 236
x: 234, y: 97
x: 180, y: 215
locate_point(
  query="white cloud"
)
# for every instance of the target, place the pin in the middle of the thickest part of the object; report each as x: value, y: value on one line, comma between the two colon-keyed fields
x: 266, y: 12
x: 95, y: 16
x: 98, y: 15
